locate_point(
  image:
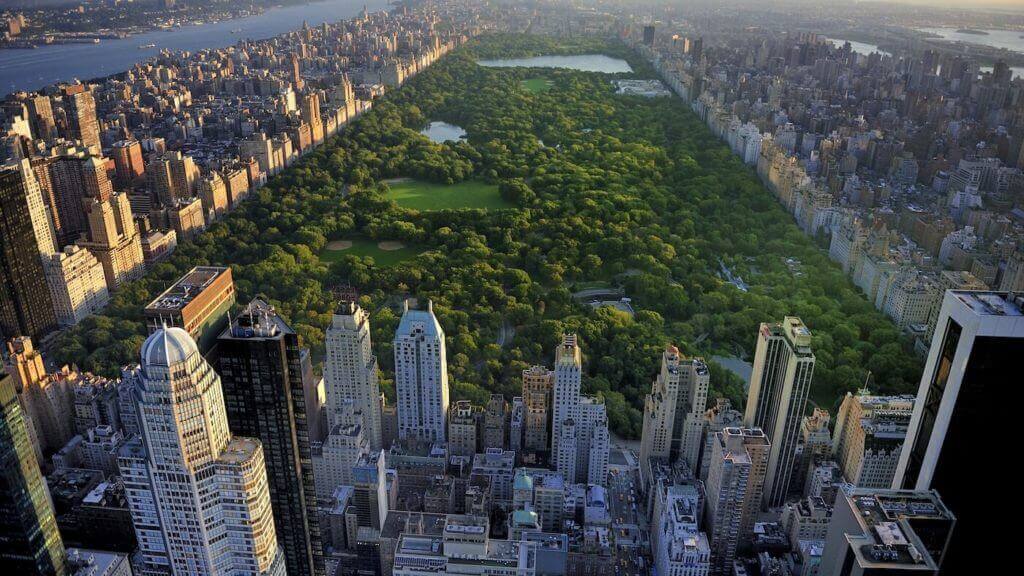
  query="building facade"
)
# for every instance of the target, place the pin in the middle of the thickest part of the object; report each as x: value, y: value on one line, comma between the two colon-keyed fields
x: 269, y: 391
x: 421, y: 376
x: 198, y: 496
x: 781, y: 378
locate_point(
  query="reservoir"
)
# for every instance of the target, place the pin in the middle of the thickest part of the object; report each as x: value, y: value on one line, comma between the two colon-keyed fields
x: 581, y: 62
x: 34, y: 69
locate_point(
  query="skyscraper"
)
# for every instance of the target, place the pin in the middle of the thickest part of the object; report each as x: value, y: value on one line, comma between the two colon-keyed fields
x: 29, y: 540
x: 660, y: 412
x: 81, y: 112
x: 781, y: 379
x: 268, y: 388
x: 674, y: 411
x: 974, y: 356
x: 350, y: 371
x: 538, y: 383
x: 421, y: 376
x: 114, y: 239
x: 736, y: 476
x: 77, y: 284
x: 579, y: 435
x: 25, y: 305
x: 198, y: 497
x: 128, y: 163
x: 566, y: 392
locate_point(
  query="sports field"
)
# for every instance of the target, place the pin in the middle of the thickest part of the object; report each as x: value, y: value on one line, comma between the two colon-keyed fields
x: 384, y: 253
x: 536, y: 85
x: 419, y: 195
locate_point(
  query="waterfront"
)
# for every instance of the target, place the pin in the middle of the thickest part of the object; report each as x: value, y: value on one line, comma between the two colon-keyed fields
x: 582, y: 62
x: 34, y: 69
x: 1005, y: 39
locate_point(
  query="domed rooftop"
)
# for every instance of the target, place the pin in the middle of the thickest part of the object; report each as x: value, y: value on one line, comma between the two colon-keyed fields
x: 167, y: 346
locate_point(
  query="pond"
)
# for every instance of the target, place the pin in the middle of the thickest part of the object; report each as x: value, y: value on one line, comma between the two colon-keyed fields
x: 442, y: 132
x: 581, y: 62
x: 858, y: 47
x: 737, y: 366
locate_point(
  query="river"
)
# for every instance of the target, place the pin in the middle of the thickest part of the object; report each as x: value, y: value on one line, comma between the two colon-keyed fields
x: 1006, y: 39
x: 34, y: 69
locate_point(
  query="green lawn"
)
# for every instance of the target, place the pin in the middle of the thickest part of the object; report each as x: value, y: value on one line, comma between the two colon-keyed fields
x: 418, y: 195
x: 536, y: 85
x: 367, y: 247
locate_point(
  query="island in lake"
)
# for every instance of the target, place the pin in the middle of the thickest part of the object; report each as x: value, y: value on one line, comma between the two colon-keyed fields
x: 970, y: 31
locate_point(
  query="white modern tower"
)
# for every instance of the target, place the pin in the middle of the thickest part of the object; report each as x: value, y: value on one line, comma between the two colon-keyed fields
x: 781, y: 379
x: 198, y: 497
x: 421, y: 376
x: 350, y: 372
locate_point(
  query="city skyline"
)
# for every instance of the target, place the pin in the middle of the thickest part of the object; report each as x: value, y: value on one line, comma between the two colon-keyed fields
x: 608, y: 289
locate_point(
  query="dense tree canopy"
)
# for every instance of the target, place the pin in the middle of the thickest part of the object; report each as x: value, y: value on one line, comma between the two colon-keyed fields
x: 621, y: 190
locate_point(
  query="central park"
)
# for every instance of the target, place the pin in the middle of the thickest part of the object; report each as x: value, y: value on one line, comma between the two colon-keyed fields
x: 559, y: 185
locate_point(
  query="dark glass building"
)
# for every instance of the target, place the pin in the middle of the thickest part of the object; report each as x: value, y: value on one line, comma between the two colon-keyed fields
x: 268, y: 385
x: 25, y: 305
x: 957, y: 441
x: 29, y: 540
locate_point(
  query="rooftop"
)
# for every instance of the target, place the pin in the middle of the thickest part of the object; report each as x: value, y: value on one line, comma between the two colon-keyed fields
x: 991, y: 303
x: 182, y: 292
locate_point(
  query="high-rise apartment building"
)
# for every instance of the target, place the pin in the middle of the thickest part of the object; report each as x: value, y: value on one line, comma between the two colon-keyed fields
x: 350, y: 371
x: 70, y: 179
x: 198, y: 496
x: 691, y: 400
x: 978, y: 343
x: 78, y: 287
x: 464, y: 428
x: 421, y: 376
x: 674, y: 411
x: 869, y: 436
x: 29, y: 540
x: 343, y: 446
x: 566, y: 392
x: 736, y: 477
x: 496, y: 422
x: 25, y: 305
x: 114, y: 239
x: 781, y: 378
x: 889, y: 532
x: 41, y: 112
x: 82, y: 121
x: 538, y: 385
x: 269, y: 389
x: 815, y: 443
x: 47, y: 399
x: 717, y: 418
x: 171, y: 177
x: 128, y: 163
x: 660, y: 413
x: 579, y: 433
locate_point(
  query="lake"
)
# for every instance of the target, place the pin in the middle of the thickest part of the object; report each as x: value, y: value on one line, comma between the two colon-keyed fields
x: 581, y: 62
x: 442, y: 132
x: 858, y: 47
x: 1008, y: 39
x: 34, y: 69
